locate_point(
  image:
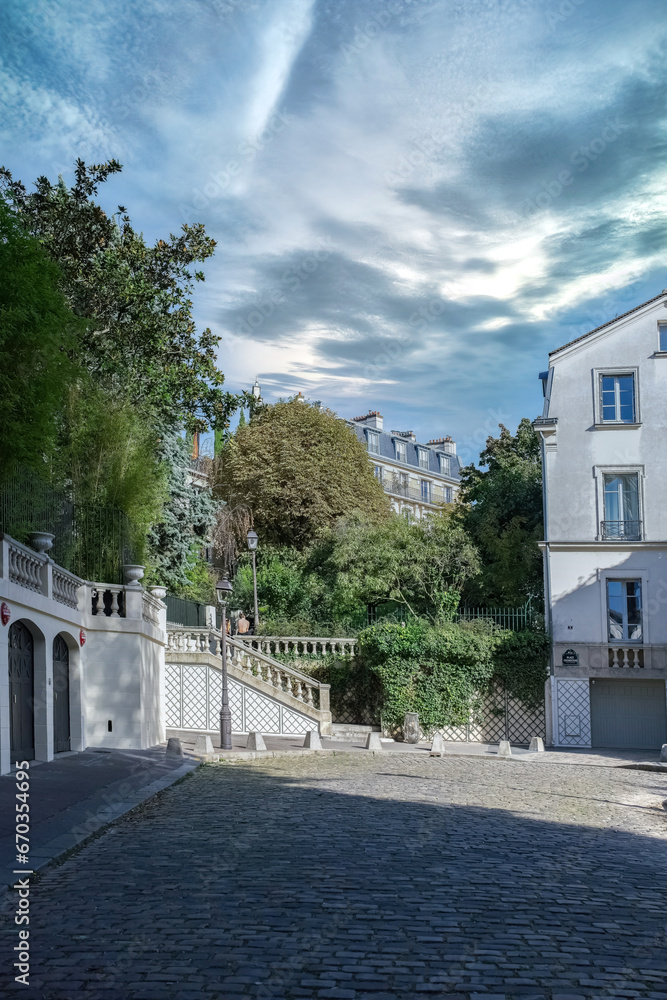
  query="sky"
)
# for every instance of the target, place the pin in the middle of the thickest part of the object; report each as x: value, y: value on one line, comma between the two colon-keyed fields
x: 414, y: 201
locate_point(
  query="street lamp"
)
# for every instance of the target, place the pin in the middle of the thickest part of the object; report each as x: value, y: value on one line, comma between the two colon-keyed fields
x: 252, y: 547
x: 223, y: 589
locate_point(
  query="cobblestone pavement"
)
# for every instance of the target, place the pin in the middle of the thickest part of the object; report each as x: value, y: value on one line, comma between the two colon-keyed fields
x: 368, y: 878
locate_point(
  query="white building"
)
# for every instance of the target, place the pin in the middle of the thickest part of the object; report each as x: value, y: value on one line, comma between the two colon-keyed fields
x: 418, y: 478
x: 604, y: 458
x: 81, y: 664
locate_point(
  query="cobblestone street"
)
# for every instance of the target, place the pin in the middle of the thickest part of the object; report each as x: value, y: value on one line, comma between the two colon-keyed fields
x: 364, y: 876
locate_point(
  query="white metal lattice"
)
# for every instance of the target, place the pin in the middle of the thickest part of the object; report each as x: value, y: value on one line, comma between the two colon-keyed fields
x: 574, y: 713
x: 294, y: 724
x: 261, y: 714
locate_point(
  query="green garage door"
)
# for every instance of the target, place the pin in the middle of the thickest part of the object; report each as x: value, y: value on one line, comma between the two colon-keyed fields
x: 628, y: 713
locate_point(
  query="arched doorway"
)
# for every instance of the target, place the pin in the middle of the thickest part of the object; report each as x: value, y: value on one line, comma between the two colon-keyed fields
x: 21, y: 693
x: 61, y: 726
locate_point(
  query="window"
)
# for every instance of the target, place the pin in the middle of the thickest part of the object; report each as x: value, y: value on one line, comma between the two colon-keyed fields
x: 445, y: 465
x: 373, y: 443
x: 662, y: 333
x: 621, y: 507
x: 617, y: 399
x: 624, y: 606
x: 426, y: 490
x: 423, y: 459
x: 448, y: 494
x: 407, y: 514
x: 401, y: 451
x: 378, y: 472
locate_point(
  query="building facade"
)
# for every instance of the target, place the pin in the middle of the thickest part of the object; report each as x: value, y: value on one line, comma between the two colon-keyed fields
x: 605, y: 543
x: 418, y: 478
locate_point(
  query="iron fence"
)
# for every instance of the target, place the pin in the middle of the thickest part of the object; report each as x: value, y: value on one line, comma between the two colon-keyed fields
x: 92, y: 542
x: 513, y: 619
x: 180, y: 611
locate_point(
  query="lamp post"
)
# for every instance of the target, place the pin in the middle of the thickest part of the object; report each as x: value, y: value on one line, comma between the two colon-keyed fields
x: 252, y: 547
x: 223, y: 589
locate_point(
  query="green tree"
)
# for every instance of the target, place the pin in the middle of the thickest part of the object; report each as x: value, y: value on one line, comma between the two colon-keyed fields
x: 502, y: 512
x: 299, y: 469
x: 139, y: 339
x: 37, y: 335
x: 421, y: 566
x: 188, y: 518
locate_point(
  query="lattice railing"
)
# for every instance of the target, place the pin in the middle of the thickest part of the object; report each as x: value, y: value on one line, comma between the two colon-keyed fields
x: 280, y: 676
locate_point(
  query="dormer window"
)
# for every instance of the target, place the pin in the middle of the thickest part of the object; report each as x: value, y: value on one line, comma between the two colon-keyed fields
x: 445, y: 465
x: 423, y: 458
x: 373, y: 442
x: 401, y: 451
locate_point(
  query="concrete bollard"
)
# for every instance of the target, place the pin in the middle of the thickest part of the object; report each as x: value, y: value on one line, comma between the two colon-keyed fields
x: 663, y: 753
x: 203, y: 744
x: 255, y: 742
x: 504, y: 748
x: 438, y: 745
x: 312, y: 740
x: 174, y: 748
x: 373, y: 741
x: 537, y: 744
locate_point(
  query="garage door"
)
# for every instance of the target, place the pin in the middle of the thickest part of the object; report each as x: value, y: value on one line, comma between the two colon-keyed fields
x: 628, y: 713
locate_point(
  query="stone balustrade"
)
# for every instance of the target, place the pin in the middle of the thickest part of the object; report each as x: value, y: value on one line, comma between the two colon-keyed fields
x: 150, y: 609
x: 300, y: 645
x: 34, y: 571
x: 65, y: 587
x: 242, y: 655
x: 628, y: 656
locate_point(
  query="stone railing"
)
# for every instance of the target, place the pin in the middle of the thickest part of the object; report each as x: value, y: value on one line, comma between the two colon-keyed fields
x: 300, y: 645
x: 36, y: 572
x: 629, y: 656
x: 107, y: 600
x: 150, y: 609
x: 280, y: 676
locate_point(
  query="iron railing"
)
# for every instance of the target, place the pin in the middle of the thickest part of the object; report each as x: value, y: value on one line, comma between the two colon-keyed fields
x: 436, y: 494
x: 513, y: 619
x: 180, y: 611
x: 92, y: 542
x: 628, y: 530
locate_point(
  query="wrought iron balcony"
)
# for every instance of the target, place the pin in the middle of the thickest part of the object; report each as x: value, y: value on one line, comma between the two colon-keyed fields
x: 435, y: 494
x: 629, y: 531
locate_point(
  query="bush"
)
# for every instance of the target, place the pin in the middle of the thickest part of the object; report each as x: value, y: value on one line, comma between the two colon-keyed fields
x: 441, y: 671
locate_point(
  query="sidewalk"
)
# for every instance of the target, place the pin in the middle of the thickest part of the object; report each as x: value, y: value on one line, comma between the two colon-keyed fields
x: 77, y: 794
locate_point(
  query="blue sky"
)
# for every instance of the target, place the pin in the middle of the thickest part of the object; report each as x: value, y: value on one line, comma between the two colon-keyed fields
x: 414, y: 200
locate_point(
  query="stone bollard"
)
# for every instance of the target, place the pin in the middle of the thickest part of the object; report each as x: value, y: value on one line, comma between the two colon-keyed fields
x: 663, y: 753
x: 203, y: 744
x: 174, y: 748
x: 255, y: 742
x: 411, y: 730
x: 312, y: 740
x: 537, y: 744
x: 504, y: 748
x: 438, y: 745
x: 373, y: 741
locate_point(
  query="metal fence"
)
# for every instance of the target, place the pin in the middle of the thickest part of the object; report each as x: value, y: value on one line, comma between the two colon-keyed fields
x: 183, y: 612
x: 92, y: 542
x: 514, y: 619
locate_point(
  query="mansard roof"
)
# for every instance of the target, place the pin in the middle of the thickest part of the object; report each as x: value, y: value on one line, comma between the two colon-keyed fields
x: 387, y: 450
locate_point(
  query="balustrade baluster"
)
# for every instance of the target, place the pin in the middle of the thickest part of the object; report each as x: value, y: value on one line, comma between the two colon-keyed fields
x: 309, y: 694
x: 115, y: 613
x: 614, y: 657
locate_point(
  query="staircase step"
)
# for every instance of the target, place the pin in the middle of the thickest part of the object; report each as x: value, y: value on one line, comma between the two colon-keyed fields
x: 347, y: 732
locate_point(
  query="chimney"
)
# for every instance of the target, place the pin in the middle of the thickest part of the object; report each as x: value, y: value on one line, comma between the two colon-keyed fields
x: 408, y: 435
x: 444, y: 444
x: 371, y: 419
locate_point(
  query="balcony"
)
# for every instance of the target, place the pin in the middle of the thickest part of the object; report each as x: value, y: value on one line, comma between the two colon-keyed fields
x: 627, y: 531
x: 435, y: 494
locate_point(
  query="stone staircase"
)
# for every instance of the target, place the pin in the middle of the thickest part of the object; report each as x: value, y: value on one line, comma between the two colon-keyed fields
x: 265, y: 695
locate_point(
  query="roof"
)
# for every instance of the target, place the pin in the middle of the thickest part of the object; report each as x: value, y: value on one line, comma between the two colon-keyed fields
x: 610, y: 322
x: 387, y: 450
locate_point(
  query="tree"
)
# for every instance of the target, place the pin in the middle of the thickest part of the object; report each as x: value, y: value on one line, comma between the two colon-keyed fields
x: 187, y: 521
x: 421, y: 566
x: 299, y: 469
x: 139, y: 339
x: 37, y: 334
x: 502, y: 512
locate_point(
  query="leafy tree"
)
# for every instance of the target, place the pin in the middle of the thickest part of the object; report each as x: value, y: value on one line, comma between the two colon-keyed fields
x: 421, y: 566
x: 140, y: 339
x: 37, y: 333
x: 502, y: 513
x: 299, y: 469
x: 187, y: 520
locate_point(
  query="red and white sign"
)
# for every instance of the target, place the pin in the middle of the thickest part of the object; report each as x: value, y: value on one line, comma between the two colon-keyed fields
x: 5, y: 613
x: 82, y: 637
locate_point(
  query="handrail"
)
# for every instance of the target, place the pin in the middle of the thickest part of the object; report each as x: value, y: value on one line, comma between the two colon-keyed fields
x: 269, y: 644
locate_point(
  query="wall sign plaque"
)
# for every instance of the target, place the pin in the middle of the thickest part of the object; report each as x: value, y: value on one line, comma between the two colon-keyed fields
x: 570, y: 658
